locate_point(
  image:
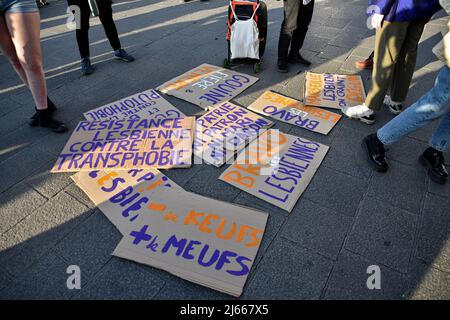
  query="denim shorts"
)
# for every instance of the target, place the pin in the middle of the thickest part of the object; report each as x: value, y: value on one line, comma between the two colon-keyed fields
x: 17, y: 6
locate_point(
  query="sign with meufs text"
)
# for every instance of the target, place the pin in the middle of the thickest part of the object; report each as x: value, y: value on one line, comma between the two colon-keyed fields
x: 128, y: 143
x: 225, y: 130
x: 334, y: 90
x: 276, y: 168
x: 208, y: 85
x: 295, y: 112
x: 144, y: 105
x: 122, y: 194
x: 206, y: 241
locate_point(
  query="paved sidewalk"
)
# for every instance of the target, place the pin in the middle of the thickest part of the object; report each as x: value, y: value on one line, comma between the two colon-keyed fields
x: 348, y: 219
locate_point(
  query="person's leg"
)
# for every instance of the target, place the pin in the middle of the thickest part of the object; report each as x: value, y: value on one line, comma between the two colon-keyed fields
x: 434, y: 104
x: 288, y: 27
x: 405, y: 66
x: 106, y: 17
x: 24, y: 29
x: 298, y: 37
x: 82, y: 31
x: 388, y: 45
x: 7, y: 47
x: 431, y: 106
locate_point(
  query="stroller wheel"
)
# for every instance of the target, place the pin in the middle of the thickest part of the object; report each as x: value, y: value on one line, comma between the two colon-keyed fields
x: 257, y: 67
x: 226, y: 63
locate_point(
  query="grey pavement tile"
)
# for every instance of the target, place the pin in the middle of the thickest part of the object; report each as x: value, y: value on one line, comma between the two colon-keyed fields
x: 206, y: 183
x: 17, y: 140
x: 407, y: 151
x: 39, y: 232
x: 5, y: 279
x: 46, y: 279
x: 91, y: 244
x: 335, y: 53
x: 317, y: 228
x: 427, y: 283
x: 434, y: 232
x: 439, y: 189
x: 78, y: 194
x: 347, y: 155
x: 350, y: 36
x: 119, y: 280
x: 383, y: 233
x: 289, y: 271
x: 21, y: 165
x: 47, y: 183
x: 17, y: 203
x: 402, y: 186
x: 337, y: 191
x: 348, y: 281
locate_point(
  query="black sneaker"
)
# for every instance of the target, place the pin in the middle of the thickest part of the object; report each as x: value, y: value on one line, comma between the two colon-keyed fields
x: 376, y: 153
x: 433, y: 160
x: 368, y: 119
x: 298, y: 59
x: 44, y: 119
x: 86, y: 67
x: 123, y: 55
x: 283, y: 66
x: 51, y: 107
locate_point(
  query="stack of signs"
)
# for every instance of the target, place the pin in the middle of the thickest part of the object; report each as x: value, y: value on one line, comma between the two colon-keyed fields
x: 294, y: 112
x: 199, y: 239
x: 144, y: 105
x: 121, y: 195
x: 276, y: 168
x: 207, y: 85
x: 334, y: 90
x: 225, y: 130
x: 128, y: 143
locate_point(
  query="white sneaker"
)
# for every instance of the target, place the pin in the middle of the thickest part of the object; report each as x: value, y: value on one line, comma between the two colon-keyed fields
x: 357, y: 112
x: 394, y: 107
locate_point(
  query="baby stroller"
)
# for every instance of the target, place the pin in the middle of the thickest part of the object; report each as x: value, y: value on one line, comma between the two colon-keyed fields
x: 243, y: 10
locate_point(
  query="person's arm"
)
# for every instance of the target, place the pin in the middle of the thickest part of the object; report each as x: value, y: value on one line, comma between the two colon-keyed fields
x: 384, y: 5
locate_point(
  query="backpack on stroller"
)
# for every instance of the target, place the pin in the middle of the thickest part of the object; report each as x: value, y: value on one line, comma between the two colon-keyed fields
x: 247, y: 32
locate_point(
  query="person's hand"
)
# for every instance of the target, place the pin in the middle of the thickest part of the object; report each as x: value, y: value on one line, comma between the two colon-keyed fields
x: 377, y: 20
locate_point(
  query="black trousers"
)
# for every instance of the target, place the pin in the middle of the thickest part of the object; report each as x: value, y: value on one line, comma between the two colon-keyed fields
x: 297, y: 18
x: 106, y: 18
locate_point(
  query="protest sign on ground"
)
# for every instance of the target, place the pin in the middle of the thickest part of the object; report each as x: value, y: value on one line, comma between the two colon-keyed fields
x: 208, y: 85
x: 121, y: 194
x: 128, y: 143
x: 206, y: 241
x: 333, y: 90
x: 295, y: 112
x: 145, y: 105
x: 224, y: 130
x: 276, y: 167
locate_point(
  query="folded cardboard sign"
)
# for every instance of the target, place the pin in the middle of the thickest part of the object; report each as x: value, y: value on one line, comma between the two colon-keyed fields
x: 207, y: 85
x: 128, y: 143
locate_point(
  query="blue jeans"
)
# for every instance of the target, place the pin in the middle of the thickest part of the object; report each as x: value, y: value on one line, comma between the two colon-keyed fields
x: 435, y: 104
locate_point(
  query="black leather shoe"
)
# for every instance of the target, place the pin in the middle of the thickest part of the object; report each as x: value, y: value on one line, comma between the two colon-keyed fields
x: 297, y: 58
x: 51, y: 109
x: 283, y: 66
x: 375, y: 152
x: 44, y: 119
x: 434, y: 161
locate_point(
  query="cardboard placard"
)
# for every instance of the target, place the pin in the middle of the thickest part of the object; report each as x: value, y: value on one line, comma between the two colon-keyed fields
x: 206, y: 241
x: 333, y: 90
x: 225, y: 130
x: 295, y: 112
x: 276, y: 168
x: 144, y: 105
x: 207, y: 85
x: 120, y: 195
x: 128, y: 143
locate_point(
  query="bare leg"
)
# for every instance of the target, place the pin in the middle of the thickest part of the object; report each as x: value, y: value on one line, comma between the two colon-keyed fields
x: 24, y: 29
x: 7, y: 47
